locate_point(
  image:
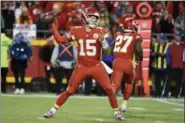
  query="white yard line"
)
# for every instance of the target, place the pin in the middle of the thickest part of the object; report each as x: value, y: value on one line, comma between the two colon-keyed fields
x: 129, y: 108
x: 99, y: 119
x: 29, y: 95
x: 136, y: 108
x: 74, y: 96
x: 158, y: 121
x: 180, y: 100
x: 171, y: 103
x: 177, y: 109
x: 41, y: 118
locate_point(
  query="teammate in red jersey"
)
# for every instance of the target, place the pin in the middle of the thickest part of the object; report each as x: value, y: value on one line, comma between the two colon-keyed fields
x: 127, y: 43
x: 90, y: 39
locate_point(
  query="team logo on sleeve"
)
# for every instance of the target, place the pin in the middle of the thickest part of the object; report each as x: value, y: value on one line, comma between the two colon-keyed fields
x: 95, y: 35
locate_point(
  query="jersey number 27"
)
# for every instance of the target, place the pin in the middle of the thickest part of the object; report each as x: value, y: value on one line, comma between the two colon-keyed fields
x: 119, y: 40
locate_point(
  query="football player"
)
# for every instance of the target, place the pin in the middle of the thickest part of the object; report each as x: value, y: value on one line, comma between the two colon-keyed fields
x: 127, y: 43
x: 90, y: 39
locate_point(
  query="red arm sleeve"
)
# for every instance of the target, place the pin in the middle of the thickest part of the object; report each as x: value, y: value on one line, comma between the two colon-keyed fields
x: 59, y: 39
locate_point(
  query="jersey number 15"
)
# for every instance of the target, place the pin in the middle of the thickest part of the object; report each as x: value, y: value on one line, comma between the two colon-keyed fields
x: 90, y: 48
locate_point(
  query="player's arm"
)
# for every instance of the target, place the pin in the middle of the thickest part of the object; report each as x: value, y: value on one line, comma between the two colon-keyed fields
x: 59, y: 39
x: 104, y: 39
x: 138, y: 50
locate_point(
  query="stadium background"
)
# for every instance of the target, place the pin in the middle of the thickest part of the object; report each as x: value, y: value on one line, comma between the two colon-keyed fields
x: 29, y: 108
x: 111, y: 13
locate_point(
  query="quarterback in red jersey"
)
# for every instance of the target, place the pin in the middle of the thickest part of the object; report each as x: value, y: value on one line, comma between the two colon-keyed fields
x: 90, y: 39
x: 127, y: 43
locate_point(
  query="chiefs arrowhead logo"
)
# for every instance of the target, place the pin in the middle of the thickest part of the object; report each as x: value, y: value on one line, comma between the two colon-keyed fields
x: 95, y: 35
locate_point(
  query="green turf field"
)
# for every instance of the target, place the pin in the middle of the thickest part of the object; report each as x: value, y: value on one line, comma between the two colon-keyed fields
x: 30, y: 109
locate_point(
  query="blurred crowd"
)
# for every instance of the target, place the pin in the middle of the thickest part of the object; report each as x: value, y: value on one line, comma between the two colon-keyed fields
x: 167, y: 37
x: 167, y: 16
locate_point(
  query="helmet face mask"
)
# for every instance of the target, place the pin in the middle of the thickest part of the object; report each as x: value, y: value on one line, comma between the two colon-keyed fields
x: 92, y: 21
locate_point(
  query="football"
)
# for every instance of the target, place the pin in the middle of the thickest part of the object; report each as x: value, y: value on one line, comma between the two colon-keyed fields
x: 47, y: 18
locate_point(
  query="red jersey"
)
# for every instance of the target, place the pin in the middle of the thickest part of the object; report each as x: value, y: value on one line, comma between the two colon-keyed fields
x: 124, y: 45
x: 89, y: 45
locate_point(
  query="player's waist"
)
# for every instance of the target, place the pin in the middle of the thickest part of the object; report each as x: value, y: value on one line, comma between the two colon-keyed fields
x: 88, y: 61
x: 122, y: 60
x: 123, y: 56
x: 123, y: 63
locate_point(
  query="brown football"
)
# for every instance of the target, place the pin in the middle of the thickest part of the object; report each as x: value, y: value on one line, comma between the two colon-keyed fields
x: 47, y: 17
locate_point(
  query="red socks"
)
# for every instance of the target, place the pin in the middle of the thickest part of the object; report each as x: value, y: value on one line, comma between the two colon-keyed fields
x: 128, y: 91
